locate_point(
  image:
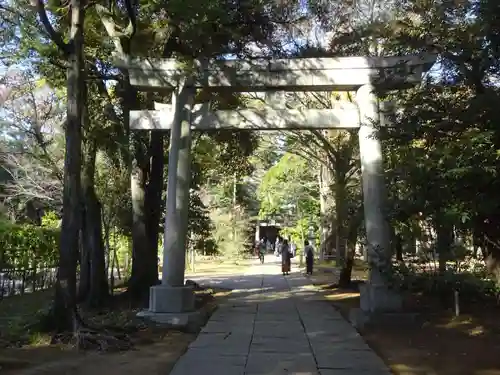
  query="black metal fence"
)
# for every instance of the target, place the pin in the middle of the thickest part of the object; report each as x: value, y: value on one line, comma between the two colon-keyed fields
x: 22, y: 281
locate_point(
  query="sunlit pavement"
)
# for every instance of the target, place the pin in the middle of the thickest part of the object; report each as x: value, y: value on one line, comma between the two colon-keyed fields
x: 275, y: 324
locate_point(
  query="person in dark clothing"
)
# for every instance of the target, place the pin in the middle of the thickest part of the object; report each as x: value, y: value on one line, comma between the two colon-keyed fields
x: 285, y: 258
x: 309, y: 253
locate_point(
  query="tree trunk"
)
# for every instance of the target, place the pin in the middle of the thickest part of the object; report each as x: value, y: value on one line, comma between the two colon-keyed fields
x: 324, y: 189
x: 154, y: 203
x: 346, y: 269
x: 98, y: 292
x: 346, y: 272
x: 116, y: 264
x: 106, y: 225
x: 140, y: 280
x: 350, y: 245
x: 147, y: 199
x: 84, y: 280
x: 411, y: 238
x: 444, y: 232
x: 85, y: 277
x: 64, y: 308
x: 493, y: 266
x: 487, y: 238
x: 398, y: 245
x: 477, y: 242
x: 341, y: 218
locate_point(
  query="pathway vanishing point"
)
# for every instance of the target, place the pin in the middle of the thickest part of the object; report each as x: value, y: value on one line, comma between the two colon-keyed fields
x: 274, y: 325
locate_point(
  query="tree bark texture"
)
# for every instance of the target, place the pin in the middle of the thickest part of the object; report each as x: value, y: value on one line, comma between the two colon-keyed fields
x: 140, y: 279
x: 341, y: 221
x: 64, y: 309
x: 325, y: 214
x: 154, y: 201
x: 444, y: 233
x: 98, y: 291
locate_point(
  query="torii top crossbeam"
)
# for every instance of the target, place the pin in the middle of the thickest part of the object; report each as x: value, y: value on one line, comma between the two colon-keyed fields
x: 297, y: 74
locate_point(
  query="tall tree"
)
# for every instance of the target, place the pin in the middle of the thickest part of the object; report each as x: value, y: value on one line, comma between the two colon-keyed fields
x: 65, y: 312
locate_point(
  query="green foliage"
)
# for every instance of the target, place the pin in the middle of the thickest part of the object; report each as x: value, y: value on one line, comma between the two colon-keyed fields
x: 119, y: 245
x: 473, y: 285
x: 50, y: 220
x: 220, y: 203
x: 267, y: 152
x: 200, y: 227
x: 289, y: 191
x: 441, y: 151
x: 225, y: 154
x: 299, y: 233
x: 26, y: 246
x: 113, y: 189
x: 232, y: 233
x: 289, y: 186
x: 20, y: 317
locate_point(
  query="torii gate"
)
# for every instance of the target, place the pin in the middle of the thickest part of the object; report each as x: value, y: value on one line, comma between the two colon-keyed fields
x: 170, y: 301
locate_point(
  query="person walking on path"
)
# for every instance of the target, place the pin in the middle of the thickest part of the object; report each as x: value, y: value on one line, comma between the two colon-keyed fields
x: 277, y: 248
x: 261, y: 250
x: 293, y: 249
x: 309, y: 252
x: 285, y: 258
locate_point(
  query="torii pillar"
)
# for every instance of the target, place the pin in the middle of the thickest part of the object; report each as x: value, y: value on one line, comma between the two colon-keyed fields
x: 375, y: 295
x: 173, y: 302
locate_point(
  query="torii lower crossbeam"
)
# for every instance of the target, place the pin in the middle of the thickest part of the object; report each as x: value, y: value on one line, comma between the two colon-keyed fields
x: 250, y: 119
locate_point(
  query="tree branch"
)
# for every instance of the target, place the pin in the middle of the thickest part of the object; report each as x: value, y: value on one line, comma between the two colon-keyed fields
x: 307, y: 154
x: 132, y: 25
x: 30, y: 180
x: 351, y: 172
x: 44, y: 19
x: 109, y: 110
x: 111, y: 27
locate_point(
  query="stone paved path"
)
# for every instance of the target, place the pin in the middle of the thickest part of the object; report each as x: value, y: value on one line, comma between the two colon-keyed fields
x: 277, y: 325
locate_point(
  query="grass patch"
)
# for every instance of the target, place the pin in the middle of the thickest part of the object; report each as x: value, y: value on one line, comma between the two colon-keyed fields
x: 327, y: 263
x: 220, y: 266
x: 18, y: 315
